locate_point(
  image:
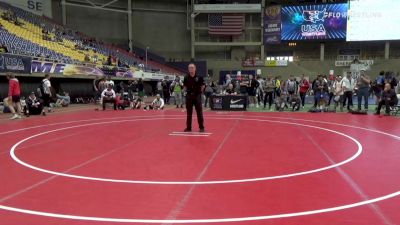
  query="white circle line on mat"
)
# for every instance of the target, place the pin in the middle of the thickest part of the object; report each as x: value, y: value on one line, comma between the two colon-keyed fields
x: 258, y: 179
x: 221, y: 220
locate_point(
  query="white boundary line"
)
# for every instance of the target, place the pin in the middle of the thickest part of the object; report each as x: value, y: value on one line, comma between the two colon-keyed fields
x: 190, y: 135
x: 15, y: 158
x: 224, y: 220
x: 191, y: 132
x: 254, y: 218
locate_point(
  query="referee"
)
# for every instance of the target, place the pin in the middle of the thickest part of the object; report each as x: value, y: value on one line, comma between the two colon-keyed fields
x: 194, y: 86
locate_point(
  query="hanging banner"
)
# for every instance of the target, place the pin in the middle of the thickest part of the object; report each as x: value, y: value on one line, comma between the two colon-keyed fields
x: 71, y: 70
x: 15, y: 63
x: 276, y: 63
x: 272, y: 25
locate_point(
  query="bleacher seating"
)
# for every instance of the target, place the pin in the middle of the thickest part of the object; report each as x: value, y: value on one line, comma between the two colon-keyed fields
x: 40, y: 37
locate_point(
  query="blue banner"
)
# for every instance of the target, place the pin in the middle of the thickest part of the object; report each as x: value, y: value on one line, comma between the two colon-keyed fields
x: 272, y: 25
x: 15, y: 64
x: 319, y: 22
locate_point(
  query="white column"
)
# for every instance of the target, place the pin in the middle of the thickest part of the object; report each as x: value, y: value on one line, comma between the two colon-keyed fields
x: 262, y: 48
x: 192, y: 35
x: 387, y: 50
x: 64, y: 13
x: 322, y: 52
x: 130, y: 35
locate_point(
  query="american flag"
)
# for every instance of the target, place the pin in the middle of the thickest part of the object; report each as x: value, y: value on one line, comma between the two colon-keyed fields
x: 225, y: 24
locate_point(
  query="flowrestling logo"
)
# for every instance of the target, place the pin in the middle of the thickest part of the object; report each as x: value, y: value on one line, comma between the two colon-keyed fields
x: 314, y: 22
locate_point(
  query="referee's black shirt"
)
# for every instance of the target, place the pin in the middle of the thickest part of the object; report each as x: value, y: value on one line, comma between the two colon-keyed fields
x: 193, y: 84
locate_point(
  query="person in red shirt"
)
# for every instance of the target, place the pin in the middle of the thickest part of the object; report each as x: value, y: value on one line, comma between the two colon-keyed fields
x: 14, y: 96
x: 304, y: 86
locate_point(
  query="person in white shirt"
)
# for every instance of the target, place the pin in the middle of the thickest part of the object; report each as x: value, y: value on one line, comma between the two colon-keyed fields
x: 110, y: 82
x: 108, y: 96
x: 46, y: 92
x: 157, y: 104
x: 348, y: 84
x: 338, y: 93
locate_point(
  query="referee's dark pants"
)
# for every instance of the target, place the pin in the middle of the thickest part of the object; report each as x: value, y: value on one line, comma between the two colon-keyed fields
x: 194, y: 100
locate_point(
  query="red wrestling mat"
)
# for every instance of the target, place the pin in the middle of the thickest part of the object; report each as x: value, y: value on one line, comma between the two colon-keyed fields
x: 87, y: 167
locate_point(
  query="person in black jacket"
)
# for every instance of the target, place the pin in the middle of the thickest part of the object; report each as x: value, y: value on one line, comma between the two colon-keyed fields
x: 194, y: 86
x: 252, y: 90
x: 34, y: 105
x: 389, y: 98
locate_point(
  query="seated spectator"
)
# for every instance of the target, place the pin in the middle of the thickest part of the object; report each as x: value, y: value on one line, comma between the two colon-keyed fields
x: 34, y: 106
x: 108, y: 96
x: 295, y: 102
x: 87, y: 58
x: 6, y: 108
x: 157, y: 104
x: 63, y: 100
x: 280, y: 103
x: 230, y: 90
x: 389, y: 99
x: 136, y: 103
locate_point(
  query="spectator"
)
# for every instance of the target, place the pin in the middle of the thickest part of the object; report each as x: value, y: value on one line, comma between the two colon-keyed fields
x: 137, y: 103
x: 166, y: 85
x: 295, y: 102
x: 348, y: 87
x: 109, y: 96
x: 389, y: 78
x: 208, y: 91
x: 304, y: 87
x: 177, y: 87
x: 363, y: 84
x: 140, y: 88
x: 46, y: 91
x: 260, y: 92
x: 291, y: 87
x: 157, y: 104
x: 87, y: 58
x: 99, y: 86
x: 34, y: 106
x: 278, y: 89
x: 236, y: 85
x: 228, y: 80
x: 389, y: 99
x: 6, y: 108
x: 159, y: 88
x: 280, y: 103
x: 377, y: 86
x: 109, y: 82
x: 63, y: 100
x: 230, y: 90
x: 132, y: 87
x: 330, y: 82
x: 321, y: 92
x: 251, y: 90
x: 14, y: 96
x: 269, y: 87
x: 338, y: 93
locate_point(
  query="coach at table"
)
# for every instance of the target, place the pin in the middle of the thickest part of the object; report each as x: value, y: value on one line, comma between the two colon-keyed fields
x: 194, y: 86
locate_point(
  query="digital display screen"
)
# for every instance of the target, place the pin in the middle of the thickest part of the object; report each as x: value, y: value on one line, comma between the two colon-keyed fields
x: 370, y: 20
x: 314, y: 22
